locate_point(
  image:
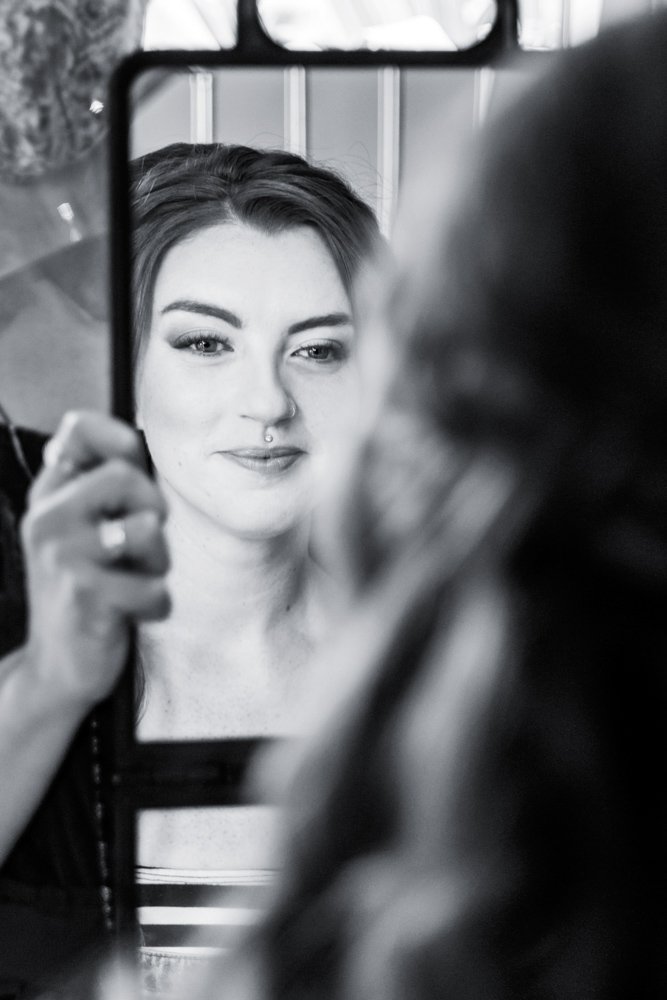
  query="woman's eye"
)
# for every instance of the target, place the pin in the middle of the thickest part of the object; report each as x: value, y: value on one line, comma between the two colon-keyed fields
x: 203, y: 344
x: 325, y: 352
x: 207, y: 346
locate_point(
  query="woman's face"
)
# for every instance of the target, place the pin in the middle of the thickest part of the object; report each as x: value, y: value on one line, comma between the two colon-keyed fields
x: 251, y: 335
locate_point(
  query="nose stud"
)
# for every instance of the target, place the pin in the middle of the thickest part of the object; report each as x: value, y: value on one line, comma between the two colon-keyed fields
x: 268, y: 436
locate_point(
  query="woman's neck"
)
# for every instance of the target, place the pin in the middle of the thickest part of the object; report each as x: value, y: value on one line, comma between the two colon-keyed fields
x: 235, y: 653
x: 221, y: 581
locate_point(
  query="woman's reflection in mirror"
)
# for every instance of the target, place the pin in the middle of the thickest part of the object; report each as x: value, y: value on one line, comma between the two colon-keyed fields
x: 245, y: 382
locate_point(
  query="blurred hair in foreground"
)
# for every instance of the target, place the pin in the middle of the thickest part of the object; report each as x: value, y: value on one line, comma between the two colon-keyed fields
x: 480, y: 816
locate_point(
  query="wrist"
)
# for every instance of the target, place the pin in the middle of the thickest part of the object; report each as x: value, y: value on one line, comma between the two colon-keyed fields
x: 37, y: 691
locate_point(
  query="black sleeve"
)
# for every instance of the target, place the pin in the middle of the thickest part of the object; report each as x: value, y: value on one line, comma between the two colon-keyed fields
x: 20, y: 458
x: 57, y: 847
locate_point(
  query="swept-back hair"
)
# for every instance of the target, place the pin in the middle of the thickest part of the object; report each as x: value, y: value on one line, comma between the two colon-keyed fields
x: 481, y: 814
x: 185, y: 187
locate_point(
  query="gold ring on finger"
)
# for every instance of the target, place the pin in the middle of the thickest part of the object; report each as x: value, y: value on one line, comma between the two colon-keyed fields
x: 113, y: 538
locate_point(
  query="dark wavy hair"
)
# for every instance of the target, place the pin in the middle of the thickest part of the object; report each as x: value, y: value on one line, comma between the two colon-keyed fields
x: 481, y: 815
x: 185, y: 187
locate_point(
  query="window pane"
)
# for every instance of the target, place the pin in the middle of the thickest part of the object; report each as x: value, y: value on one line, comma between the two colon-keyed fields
x: 553, y: 24
x: 190, y: 24
x: 441, y: 25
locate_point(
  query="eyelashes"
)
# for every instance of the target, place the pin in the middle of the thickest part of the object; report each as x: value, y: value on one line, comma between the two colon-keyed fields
x: 322, y: 352
x: 205, y: 343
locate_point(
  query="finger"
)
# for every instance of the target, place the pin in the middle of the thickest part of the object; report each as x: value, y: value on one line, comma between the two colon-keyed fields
x: 114, y: 489
x: 120, y: 592
x: 137, y: 539
x: 83, y: 440
x: 140, y: 597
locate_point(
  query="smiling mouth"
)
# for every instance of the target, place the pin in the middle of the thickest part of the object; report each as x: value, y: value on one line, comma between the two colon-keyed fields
x: 265, y: 460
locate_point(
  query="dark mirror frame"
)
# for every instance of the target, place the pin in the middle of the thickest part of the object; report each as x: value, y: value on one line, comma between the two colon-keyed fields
x: 199, y: 773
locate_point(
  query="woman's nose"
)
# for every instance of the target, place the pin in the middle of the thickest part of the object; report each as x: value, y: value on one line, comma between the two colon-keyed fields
x: 264, y: 396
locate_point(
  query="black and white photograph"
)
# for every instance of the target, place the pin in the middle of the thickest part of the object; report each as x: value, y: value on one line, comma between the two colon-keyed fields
x: 333, y: 499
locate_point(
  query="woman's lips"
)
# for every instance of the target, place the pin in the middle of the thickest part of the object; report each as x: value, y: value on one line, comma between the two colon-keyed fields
x: 269, y: 461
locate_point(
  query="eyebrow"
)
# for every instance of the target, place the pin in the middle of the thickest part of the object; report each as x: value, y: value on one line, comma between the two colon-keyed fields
x: 329, y: 319
x: 206, y: 309
x: 203, y: 309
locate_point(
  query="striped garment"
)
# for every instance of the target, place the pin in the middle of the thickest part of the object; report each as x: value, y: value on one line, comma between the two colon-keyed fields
x: 188, y: 916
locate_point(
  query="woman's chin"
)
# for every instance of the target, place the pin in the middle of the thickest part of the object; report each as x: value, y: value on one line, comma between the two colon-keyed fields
x: 244, y: 512
x: 269, y: 521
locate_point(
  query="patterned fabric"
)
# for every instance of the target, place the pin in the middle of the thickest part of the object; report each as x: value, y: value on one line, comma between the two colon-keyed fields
x: 56, y: 57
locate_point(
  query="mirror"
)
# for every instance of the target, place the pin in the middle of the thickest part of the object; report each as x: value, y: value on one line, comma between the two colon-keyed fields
x: 245, y: 377
x: 245, y: 342
x: 251, y: 599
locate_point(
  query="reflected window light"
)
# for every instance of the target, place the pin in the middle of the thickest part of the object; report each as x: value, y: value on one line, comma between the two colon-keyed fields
x: 555, y: 24
x: 190, y: 24
x: 363, y: 24
x: 420, y: 32
x: 66, y: 213
x: 312, y: 24
x: 438, y: 25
